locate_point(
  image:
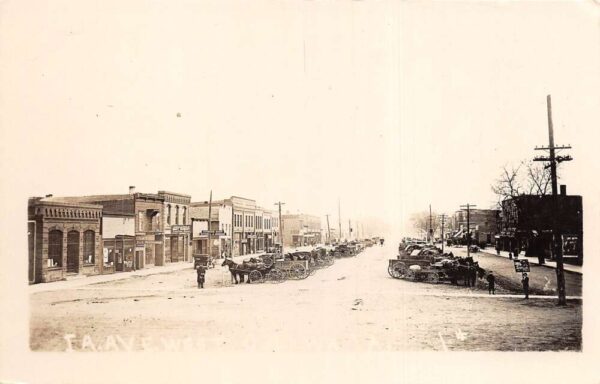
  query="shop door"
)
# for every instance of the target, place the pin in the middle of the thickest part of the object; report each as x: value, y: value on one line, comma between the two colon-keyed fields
x: 73, y: 252
x: 149, y: 254
x: 180, y: 249
x: 139, y: 256
x: 174, y: 249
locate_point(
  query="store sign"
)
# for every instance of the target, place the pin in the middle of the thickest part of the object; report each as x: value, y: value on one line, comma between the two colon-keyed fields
x: 522, y: 265
x: 181, y: 228
x: 204, y: 232
x: 139, y: 244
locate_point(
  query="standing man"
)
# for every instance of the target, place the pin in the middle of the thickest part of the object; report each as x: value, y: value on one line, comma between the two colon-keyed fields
x: 491, y: 279
x: 200, y: 273
x: 525, y: 281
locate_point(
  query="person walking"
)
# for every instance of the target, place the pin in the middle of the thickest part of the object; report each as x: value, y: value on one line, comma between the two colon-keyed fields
x: 200, y: 275
x: 525, y: 281
x: 491, y: 279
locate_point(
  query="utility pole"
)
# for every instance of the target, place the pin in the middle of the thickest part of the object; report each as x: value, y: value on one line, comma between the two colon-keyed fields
x: 349, y: 230
x: 279, y: 203
x: 339, y: 221
x: 209, y: 219
x: 328, y: 229
x: 468, y: 207
x: 443, y: 217
x: 557, y: 244
x: 430, y: 226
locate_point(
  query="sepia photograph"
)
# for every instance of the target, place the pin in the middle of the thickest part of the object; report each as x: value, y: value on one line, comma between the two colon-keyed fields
x: 299, y: 191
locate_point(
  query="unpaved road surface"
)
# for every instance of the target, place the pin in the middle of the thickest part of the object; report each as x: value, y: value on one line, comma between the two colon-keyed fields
x: 352, y: 306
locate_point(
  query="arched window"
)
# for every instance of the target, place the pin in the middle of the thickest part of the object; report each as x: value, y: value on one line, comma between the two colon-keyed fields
x: 89, y: 247
x: 184, y: 215
x: 55, y: 248
x: 177, y: 214
x: 169, y: 214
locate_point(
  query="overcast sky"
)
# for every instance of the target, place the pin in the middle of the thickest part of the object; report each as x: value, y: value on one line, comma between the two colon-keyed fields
x: 389, y: 106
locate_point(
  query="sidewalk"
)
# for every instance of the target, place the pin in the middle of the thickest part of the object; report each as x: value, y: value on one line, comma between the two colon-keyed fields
x: 81, y: 281
x: 534, y: 260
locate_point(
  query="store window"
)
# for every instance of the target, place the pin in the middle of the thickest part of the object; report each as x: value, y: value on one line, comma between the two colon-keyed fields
x: 89, y: 247
x: 55, y: 248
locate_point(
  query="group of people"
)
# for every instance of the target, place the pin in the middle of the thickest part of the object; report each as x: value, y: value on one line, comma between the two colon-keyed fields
x: 491, y: 279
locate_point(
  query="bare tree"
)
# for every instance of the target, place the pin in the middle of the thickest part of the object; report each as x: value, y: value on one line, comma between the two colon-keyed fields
x: 420, y: 220
x: 526, y: 178
x: 538, y: 179
x: 508, y: 184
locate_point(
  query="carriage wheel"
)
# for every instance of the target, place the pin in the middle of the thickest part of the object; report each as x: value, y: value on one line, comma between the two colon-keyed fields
x: 255, y: 277
x: 275, y: 276
x: 329, y: 260
x: 410, y: 274
x: 297, y: 271
x: 399, y: 271
x: 433, y: 278
x: 268, y: 260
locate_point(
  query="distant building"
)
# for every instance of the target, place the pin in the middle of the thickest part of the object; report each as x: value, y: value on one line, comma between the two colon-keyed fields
x: 301, y: 229
x: 483, y: 223
x: 526, y: 222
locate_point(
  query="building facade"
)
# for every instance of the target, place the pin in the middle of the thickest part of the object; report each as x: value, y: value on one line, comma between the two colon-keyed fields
x: 526, y: 222
x: 483, y: 223
x: 301, y: 230
x: 221, y: 222
x: 177, y: 227
x: 64, y: 239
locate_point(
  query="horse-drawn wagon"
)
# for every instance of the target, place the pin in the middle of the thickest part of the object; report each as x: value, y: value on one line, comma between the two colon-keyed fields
x: 430, y: 265
x: 203, y: 260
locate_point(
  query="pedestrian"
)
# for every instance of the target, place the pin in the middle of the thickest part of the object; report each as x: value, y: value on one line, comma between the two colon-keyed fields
x: 473, y: 275
x: 491, y: 279
x: 542, y: 256
x: 510, y: 255
x: 200, y: 273
x: 525, y: 281
x: 517, y: 253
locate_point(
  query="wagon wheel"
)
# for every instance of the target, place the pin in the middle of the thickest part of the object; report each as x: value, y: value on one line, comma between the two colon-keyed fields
x: 268, y: 260
x: 312, y: 271
x: 298, y: 271
x: 255, y: 276
x: 329, y: 260
x: 398, y: 271
x: 433, y: 278
x: 275, y: 276
x: 410, y: 274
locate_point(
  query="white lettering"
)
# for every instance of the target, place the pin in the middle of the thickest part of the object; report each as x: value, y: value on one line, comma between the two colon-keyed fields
x: 87, y: 343
x: 68, y: 338
x: 128, y: 346
x: 110, y: 344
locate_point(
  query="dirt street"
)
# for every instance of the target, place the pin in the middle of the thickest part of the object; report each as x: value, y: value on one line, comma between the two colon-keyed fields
x: 352, y: 306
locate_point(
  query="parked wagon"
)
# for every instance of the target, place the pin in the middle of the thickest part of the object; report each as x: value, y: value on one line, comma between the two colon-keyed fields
x: 293, y: 269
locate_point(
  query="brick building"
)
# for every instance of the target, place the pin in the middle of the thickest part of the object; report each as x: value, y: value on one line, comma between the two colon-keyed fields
x: 526, y: 223
x: 177, y: 227
x: 64, y: 239
x: 301, y: 229
x: 126, y: 248
x: 483, y: 222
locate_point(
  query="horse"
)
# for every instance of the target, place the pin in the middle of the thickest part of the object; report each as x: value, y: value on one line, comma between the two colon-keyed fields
x: 235, y: 271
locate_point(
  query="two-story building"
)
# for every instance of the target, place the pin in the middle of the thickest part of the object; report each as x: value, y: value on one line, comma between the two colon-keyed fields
x: 301, y: 230
x: 526, y: 222
x: 220, y: 224
x: 177, y: 227
x: 483, y: 223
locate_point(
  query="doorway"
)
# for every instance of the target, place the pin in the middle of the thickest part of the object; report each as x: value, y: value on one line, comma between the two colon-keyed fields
x: 73, y: 252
